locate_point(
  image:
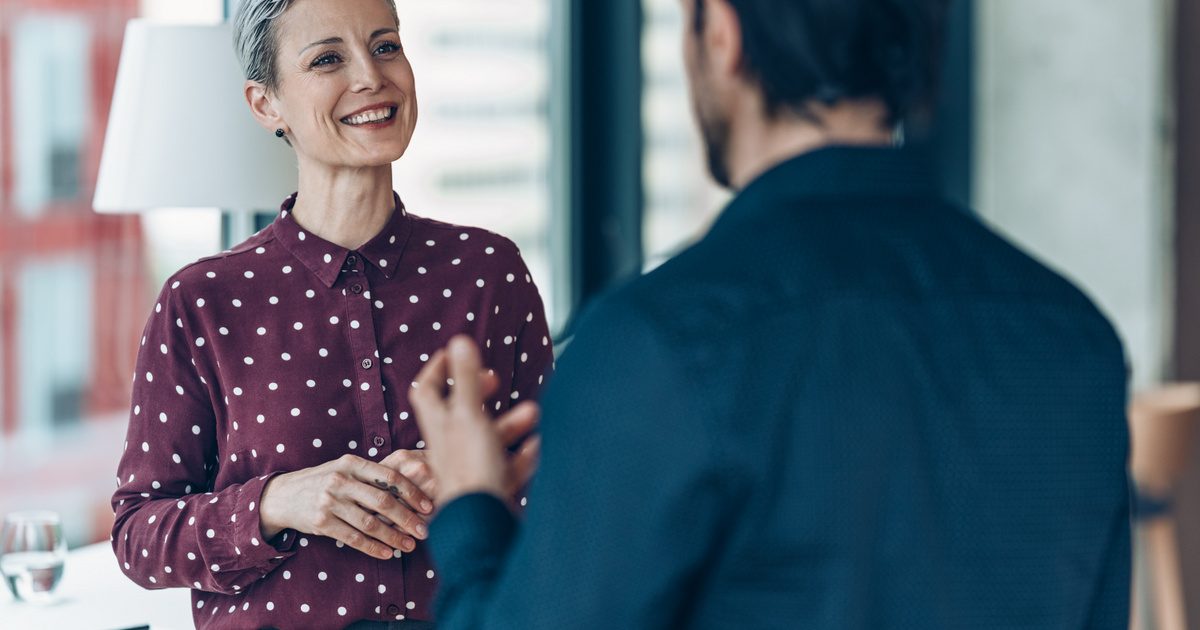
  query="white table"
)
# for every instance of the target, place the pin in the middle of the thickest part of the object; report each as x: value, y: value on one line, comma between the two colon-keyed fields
x: 95, y: 595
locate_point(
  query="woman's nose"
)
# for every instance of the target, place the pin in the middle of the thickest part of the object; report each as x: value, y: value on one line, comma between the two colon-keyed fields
x: 367, y: 77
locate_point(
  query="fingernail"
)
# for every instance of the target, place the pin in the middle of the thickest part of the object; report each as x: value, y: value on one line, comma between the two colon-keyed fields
x: 422, y: 530
x: 427, y: 505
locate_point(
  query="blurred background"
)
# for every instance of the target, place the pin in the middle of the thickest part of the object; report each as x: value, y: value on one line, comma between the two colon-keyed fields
x: 1071, y: 126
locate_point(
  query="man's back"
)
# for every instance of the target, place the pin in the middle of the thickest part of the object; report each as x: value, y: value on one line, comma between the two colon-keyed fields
x: 849, y: 406
x: 927, y: 427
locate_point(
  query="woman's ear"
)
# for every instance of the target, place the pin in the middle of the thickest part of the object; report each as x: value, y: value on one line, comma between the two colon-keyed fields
x: 262, y: 107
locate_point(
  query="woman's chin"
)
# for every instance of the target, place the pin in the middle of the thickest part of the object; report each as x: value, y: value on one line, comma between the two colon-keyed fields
x: 383, y: 160
x: 387, y: 151
x: 377, y: 156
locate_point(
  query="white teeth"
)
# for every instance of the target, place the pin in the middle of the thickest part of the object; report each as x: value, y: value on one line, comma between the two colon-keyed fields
x: 369, y: 117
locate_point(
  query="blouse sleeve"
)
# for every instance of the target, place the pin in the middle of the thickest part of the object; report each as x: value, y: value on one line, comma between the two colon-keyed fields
x: 533, y: 361
x: 170, y: 529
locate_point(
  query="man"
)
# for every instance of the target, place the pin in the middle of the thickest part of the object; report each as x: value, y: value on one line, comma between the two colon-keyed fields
x: 851, y: 405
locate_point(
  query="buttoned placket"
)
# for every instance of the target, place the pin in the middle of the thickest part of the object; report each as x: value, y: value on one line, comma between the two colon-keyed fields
x: 372, y: 405
x: 368, y: 385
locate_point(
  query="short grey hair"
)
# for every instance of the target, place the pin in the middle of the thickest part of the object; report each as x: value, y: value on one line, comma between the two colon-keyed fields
x: 255, y: 40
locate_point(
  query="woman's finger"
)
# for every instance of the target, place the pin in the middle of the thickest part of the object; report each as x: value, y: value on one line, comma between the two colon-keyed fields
x: 390, y: 480
x: 338, y: 529
x: 383, y: 503
x: 371, y: 529
x: 414, y: 465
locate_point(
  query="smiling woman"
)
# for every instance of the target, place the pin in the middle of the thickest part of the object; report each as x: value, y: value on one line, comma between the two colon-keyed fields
x: 276, y: 468
x: 328, y: 68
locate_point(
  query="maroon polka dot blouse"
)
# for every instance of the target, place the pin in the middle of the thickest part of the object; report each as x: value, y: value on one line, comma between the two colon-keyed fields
x: 284, y: 353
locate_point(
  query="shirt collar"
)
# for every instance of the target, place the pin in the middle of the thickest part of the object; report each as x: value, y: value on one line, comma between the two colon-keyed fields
x: 325, y: 259
x: 839, y: 172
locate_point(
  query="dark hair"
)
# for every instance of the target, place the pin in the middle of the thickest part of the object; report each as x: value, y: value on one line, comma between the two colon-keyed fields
x: 801, y: 51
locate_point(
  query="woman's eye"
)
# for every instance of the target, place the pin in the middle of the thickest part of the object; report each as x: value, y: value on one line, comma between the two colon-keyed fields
x: 387, y: 48
x: 325, y: 60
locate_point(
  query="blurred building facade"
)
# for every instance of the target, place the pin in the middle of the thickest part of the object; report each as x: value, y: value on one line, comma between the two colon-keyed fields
x: 71, y: 281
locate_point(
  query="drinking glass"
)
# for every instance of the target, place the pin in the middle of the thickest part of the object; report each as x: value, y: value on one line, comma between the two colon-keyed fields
x: 32, y: 552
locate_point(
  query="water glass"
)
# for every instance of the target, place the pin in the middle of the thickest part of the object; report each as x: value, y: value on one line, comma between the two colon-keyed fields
x: 32, y: 552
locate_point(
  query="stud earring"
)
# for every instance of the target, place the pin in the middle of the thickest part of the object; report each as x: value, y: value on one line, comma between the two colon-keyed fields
x: 279, y: 133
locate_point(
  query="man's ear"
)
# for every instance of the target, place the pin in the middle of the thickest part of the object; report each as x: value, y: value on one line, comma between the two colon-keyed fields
x: 722, y: 37
x: 262, y: 107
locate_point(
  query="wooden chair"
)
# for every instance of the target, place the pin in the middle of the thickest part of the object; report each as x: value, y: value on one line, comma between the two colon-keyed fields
x: 1163, y: 426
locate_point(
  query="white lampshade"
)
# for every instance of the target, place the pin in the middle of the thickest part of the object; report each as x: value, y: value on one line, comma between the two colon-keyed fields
x: 180, y: 134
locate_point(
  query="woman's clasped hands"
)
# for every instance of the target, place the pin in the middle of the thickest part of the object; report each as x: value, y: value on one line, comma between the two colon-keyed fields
x: 379, y: 508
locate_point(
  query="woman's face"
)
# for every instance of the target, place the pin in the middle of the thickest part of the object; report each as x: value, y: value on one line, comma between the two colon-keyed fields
x: 346, y: 90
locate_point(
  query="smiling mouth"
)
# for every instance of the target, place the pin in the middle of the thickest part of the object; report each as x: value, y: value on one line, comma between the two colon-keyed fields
x: 382, y: 114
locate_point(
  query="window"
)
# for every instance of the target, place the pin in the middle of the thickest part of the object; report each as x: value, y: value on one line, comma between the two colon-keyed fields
x: 55, y: 346
x: 681, y: 200
x: 51, y: 90
x: 481, y: 152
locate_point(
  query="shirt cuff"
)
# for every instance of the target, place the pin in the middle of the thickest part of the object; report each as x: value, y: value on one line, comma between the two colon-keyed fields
x: 470, y: 537
x: 247, y: 530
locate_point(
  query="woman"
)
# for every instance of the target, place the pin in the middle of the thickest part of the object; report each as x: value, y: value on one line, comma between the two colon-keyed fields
x: 272, y: 463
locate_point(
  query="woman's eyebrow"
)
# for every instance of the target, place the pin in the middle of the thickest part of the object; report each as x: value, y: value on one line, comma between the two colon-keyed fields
x: 323, y: 42
x: 339, y: 40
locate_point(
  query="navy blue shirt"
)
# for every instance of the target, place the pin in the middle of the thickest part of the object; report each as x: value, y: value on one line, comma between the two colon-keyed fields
x: 851, y: 405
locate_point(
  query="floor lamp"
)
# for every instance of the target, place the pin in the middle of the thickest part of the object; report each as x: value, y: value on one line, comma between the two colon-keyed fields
x: 180, y: 134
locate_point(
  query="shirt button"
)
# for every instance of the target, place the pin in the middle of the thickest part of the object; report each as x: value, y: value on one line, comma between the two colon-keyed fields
x: 393, y: 610
x: 379, y: 440
x: 366, y: 363
x: 356, y: 289
x: 351, y: 261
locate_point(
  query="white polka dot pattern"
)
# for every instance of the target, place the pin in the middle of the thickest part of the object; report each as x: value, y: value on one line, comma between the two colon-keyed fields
x: 284, y: 353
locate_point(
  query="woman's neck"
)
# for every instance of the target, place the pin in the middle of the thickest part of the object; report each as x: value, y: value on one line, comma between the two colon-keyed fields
x: 347, y: 207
